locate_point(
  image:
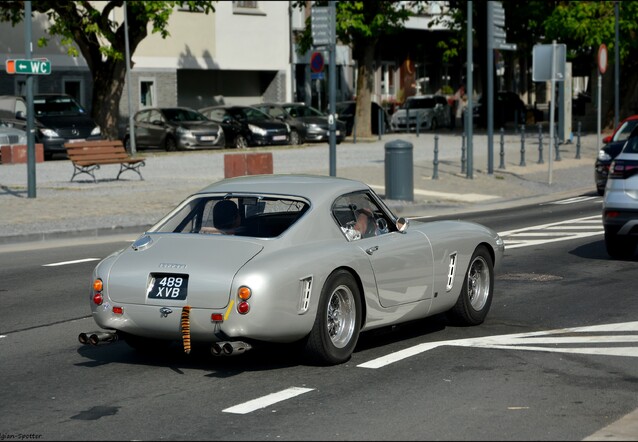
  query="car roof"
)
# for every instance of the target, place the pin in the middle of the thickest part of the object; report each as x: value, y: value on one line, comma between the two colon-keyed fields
x: 315, y: 188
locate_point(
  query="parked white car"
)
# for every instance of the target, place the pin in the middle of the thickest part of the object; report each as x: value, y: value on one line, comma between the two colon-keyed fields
x: 430, y: 111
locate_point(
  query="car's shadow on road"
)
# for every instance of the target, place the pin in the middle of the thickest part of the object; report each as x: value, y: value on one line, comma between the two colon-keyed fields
x: 596, y: 250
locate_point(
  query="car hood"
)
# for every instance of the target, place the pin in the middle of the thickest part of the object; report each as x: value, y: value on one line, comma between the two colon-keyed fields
x: 265, y: 124
x: 197, y: 124
x: 210, y: 261
x: 67, y: 121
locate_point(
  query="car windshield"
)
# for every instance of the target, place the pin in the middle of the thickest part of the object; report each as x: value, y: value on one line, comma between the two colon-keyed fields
x: 256, y: 216
x: 248, y: 113
x: 179, y: 115
x: 304, y: 111
x: 625, y: 130
x: 420, y: 103
x: 56, y: 106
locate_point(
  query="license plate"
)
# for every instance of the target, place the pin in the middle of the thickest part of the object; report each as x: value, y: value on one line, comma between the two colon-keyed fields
x: 76, y: 140
x: 279, y: 137
x: 207, y: 138
x: 168, y: 286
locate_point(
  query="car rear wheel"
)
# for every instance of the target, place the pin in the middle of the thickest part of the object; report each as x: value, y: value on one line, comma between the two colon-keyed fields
x: 338, y: 321
x: 170, y: 144
x: 478, y: 287
x: 240, y: 142
x: 619, y: 247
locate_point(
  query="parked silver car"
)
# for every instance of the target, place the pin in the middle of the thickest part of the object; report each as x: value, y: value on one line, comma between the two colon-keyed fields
x: 430, y: 112
x: 620, y: 204
x: 313, y: 260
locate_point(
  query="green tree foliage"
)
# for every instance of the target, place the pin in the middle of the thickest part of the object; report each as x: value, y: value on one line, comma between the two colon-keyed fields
x: 361, y: 24
x: 101, y: 40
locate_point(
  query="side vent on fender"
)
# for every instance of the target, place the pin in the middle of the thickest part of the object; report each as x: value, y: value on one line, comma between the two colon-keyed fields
x: 450, y: 273
x: 304, y: 299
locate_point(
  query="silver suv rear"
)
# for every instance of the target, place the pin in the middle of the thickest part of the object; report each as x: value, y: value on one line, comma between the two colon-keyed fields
x: 620, y: 204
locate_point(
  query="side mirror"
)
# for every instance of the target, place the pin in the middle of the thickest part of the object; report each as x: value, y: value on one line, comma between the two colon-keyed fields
x: 21, y: 115
x: 402, y: 224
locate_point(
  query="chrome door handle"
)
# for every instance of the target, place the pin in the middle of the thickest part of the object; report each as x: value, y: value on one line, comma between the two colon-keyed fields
x: 371, y: 250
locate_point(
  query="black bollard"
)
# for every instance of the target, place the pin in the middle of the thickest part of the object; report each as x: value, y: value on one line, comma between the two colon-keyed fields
x: 578, y: 142
x: 522, y: 146
x: 540, y: 143
x: 502, y: 165
x: 435, y: 162
x: 463, y: 156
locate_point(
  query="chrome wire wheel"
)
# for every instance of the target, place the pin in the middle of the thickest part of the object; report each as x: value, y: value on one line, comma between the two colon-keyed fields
x: 478, y: 283
x: 341, y: 316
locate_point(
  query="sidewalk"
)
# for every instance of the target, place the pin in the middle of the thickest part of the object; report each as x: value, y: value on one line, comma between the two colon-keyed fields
x: 64, y: 209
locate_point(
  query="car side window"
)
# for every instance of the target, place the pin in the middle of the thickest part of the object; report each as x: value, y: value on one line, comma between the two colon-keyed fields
x: 359, y: 216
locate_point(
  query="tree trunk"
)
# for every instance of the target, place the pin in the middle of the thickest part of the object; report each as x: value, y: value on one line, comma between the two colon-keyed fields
x: 365, y: 83
x: 108, y: 85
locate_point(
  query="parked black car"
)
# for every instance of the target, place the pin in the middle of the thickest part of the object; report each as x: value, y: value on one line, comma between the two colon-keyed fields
x: 613, y: 145
x: 247, y: 126
x: 174, y: 128
x: 508, y: 107
x: 58, y: 119
x: 308, y: 123
x: 346, y: 110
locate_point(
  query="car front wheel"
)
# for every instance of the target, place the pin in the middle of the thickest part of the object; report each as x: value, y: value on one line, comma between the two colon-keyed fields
x: 170, y: 144
x: 295, y: 139
x: 338, y: 321
x: 478, y: 287
x: 240, y: 142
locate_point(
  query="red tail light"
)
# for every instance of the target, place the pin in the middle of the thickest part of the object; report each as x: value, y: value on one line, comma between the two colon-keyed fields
x: 623, y: 169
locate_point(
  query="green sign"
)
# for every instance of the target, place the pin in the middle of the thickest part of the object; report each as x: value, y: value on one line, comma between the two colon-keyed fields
x: 36, y: 66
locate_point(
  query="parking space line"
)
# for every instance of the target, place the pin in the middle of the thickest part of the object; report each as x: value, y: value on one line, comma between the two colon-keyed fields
x: 265, y: 401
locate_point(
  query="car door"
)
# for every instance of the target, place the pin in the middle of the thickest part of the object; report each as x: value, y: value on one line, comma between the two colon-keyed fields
x: 157, y: 128
x: 402, y: 262
x: 142, y: 128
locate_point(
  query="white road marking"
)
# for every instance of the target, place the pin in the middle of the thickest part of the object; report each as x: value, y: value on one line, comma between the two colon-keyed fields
x: 265, y: 401
x: 63, y: 263
x: 553, y: 232
x: 576, y: 199
x: 545, y: 341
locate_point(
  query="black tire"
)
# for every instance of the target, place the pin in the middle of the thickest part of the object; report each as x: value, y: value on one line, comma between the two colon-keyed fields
x: 240, y: 142
x: 295, y: 139
x: 600, y: 190
x: 619, y: 248
x: 475, y: 299
x: 170, y: 145
x: 336, y: 329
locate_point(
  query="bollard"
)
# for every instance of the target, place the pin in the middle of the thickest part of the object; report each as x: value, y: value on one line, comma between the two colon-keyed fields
x: 540, y: 143
x: 502, y: 165
x: 556, y: 143
x: 380, y: 126
x: 578, y: 142
x: 407, y: 119
x: 418, y: 125
x: 522, y: 146
x: 354, y: 129
x: 463, y: 158
x: 399, y: 182
x: 435, y: 162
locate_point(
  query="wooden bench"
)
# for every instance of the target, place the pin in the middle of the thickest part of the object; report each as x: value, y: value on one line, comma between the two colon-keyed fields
x: 88, y: 156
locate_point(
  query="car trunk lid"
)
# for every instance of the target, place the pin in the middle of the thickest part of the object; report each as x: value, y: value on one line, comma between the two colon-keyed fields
x: 175, y: 269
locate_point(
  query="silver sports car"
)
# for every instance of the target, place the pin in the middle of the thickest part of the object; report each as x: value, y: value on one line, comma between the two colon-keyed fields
x: 289, y: 258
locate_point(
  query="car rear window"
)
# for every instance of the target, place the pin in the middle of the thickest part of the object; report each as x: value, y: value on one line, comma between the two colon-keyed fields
x: 258, y: 216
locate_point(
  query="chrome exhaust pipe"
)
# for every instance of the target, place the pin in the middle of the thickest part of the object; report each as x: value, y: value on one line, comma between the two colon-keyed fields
x: 235, y: 347
x: 100, y: 337
x: 85, y: 338
x: 216, y: 349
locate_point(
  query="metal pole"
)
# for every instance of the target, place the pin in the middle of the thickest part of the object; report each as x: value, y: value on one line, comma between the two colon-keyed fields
x: 131, y: 126
x: 435, y: 162
x: 463, y: 157
x: 616, y: 67
x: 522, y: 146
x: 551, y: 111
x: 600, y: 86
x: 578, y: 142
x: 490, y: 90
x: 30, y: 119
x: 502, y: 165
x: 468, y: 90
x: 540, y: 144
x: 332, y: 88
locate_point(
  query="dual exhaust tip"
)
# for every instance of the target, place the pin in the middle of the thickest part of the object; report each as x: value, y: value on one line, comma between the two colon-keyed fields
x: 98, y: 337
x: 229, y: 348
x: 223, y: 348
